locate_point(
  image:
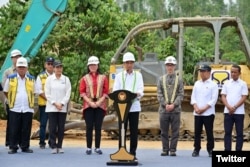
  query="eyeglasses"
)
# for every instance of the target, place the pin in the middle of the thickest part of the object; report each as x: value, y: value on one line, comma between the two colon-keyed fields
x: 50, y: 64
x: 170, y: 65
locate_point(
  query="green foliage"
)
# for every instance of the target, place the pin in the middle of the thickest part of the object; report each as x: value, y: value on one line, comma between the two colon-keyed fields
x: 231, y: 47
x: 166, y: 47
x: 11, y: 17
x: 199, y: 43
x: 92, y: 28
x: 9, y: 28
x: 197, y: 7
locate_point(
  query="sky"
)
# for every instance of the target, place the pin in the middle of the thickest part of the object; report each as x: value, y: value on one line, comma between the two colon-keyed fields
x: 2, y: 2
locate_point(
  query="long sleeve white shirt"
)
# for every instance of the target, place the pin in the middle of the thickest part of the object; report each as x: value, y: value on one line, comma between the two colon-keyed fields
x: 205, y: 93
x: 57, y: 91
x: 132, y: 82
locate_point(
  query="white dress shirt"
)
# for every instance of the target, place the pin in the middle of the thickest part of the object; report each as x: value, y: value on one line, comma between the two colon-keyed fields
x: 57, y: 91
x: 130, y: 82
x: 21, y: 104
x: 205, y: 93
x: 234, y: 90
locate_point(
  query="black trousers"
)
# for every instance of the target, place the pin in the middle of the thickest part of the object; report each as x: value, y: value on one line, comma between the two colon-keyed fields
x: 93, y: 119
x: 229, y: 121
x: 20, y: 129
x: 43, y: 124
x: 208, y: 122
x: 56, y: 128
x: 7, y: 136
x: 133, y: 120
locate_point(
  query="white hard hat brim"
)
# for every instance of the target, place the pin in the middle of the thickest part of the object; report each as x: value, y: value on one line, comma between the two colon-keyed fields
x: 166, y: 62
x: 93, y: 63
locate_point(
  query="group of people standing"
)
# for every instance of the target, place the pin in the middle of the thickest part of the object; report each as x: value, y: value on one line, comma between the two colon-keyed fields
x: 20, y: 87
x: 54, y: 89
x: 204, y: 96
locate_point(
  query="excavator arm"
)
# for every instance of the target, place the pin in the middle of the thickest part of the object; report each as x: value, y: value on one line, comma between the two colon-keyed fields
x: 39, y: 21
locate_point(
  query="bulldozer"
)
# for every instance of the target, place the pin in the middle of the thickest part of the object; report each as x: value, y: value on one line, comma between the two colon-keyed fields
x: 151, y: 69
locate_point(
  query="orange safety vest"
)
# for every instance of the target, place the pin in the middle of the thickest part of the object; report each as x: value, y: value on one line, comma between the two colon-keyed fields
x: 90, y: 92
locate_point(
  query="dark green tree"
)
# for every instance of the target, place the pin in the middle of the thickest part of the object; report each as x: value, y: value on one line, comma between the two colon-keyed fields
x: 91, y: 27
x: 11, y: 16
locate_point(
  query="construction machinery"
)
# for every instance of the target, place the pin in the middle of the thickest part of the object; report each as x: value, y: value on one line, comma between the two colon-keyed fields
x: 36, y: 27
x: 152, y: 69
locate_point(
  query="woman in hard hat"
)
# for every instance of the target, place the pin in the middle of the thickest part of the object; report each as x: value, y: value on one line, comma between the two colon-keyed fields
x: 94, y: 91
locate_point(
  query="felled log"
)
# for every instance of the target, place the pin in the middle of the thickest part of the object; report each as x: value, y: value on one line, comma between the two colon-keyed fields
x: 109, y: 121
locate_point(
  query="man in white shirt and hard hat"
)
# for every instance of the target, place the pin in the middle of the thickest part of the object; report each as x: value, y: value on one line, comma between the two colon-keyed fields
x: 131, y: 80
x: 20, y: 92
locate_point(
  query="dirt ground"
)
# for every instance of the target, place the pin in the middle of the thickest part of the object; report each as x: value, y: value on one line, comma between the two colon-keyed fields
x: 76, y: 138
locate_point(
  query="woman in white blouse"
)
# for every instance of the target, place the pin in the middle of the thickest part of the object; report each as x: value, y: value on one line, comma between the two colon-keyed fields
x: 57, y: 92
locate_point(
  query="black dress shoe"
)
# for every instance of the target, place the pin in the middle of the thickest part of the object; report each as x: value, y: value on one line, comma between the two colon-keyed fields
x: 27, y: 150
x: 12, y: 151
x: 164, y: 153
x: 195, y: 154
x: 172, y: 153
x: 210, y: 153
x: 42, y: 146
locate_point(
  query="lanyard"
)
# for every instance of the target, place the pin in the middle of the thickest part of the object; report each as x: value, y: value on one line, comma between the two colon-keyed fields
x: 124, y: 80
x: 165, y: 89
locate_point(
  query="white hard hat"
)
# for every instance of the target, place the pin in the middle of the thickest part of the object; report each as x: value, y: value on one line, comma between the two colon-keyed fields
x: 170, y: 60
x: 15, y: 53
x: 128, y: 57
x: 22, y: 62
x: 93, y: 60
